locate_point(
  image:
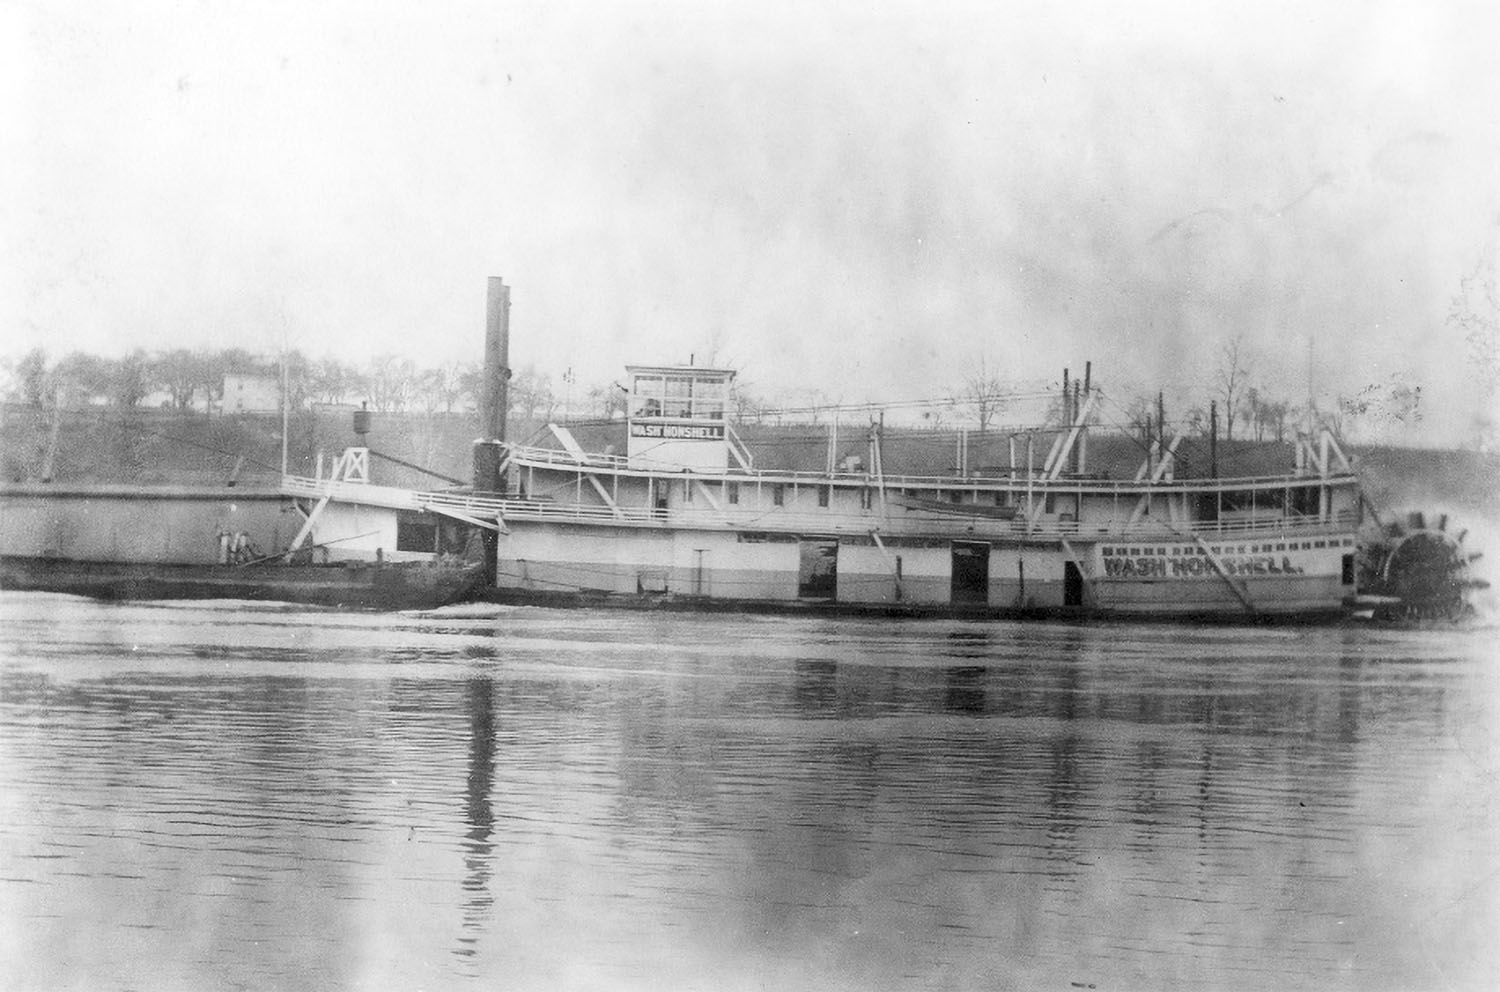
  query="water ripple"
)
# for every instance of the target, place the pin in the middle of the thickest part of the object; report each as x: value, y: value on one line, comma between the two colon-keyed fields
x: 255, y: 796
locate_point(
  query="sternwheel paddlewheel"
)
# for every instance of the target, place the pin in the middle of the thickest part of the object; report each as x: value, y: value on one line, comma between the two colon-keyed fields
x: 1420, y: 566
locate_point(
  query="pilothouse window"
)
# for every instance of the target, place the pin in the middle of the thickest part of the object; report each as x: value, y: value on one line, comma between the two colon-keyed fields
x: 684, y: 396
x: 678, y: 396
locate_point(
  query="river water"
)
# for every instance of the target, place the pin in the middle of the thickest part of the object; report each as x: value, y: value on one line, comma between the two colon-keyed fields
x: 232, y: 796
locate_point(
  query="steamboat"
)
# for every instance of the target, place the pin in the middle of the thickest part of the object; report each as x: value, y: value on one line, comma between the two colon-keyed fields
x: 689, y: 510
x: 672, y: 505
x: 677, y: 508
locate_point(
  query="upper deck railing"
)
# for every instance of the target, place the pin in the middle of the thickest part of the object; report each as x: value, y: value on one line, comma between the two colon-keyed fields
x: 552, y: 458
x: 891, y: 521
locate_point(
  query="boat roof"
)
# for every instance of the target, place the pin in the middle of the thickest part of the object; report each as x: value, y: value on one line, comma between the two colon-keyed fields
x: 702, y: 371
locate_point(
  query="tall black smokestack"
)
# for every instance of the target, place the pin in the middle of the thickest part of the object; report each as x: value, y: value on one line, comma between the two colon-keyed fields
x: 494, y: 399
x: 494, y: 389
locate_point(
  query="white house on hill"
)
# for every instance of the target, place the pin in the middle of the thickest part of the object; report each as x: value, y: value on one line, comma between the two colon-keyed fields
x: 250, y: 392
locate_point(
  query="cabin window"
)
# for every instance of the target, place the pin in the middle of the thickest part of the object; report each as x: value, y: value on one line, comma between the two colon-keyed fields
x: 415, y: 534
x: 823, y: 492
x: 956, y: 496
x: 1346, y: 576
x: 732, y: 492
x: 778, y: 495
x: 680, y: 396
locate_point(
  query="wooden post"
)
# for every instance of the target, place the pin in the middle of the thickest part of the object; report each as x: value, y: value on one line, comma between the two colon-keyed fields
x: 1077, y: 416
x: 1161, y: 422
x: 1213, y: 439
x: 1067, y: 406
x: 1083, y: 435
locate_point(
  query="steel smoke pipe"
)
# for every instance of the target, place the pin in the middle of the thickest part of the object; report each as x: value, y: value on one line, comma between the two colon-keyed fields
x: 494, y: 388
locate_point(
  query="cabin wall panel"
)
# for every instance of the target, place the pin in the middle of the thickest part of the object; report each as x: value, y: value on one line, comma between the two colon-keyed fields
x: 559, y: 558
x: 1039, y: 584
x: 1008, y: 592
x: 138, y: 528
x: 867, y: 574
x: 732, y: 569
x: 352, y: 532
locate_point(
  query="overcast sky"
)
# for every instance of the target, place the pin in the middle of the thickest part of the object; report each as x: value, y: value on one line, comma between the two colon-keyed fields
x: 824, y: 197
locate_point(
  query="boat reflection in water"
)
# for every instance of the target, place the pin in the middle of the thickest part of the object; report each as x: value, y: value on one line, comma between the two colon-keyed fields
x: 215, y: 795
x: 479, y: 848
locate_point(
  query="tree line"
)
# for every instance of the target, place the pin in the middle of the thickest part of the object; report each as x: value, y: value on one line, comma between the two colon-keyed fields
x: 1236, y: 394
x: 187, y: 379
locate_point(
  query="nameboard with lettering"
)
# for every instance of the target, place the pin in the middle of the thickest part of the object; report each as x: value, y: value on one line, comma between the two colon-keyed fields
x: 679, y: 432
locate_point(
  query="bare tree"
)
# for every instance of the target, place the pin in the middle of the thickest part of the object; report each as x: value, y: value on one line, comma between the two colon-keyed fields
x: 1275, y: 416
x: 179, y: 372
x: 531, y: 393
x: 471, y: 382
x: 606, y: 400
x: 982, y: 391
x: 81, y: 378
x: 745, y: 406
x: 1251, y: 409
x: 428, y: 388
x: 388, y: 381
x: 1231, y: 378
x: 1140, y: 413
x: 130, y: 378
x: 34, y: 382
x: 453, y: 383
x: 298, y: 372
x: 331, y: 380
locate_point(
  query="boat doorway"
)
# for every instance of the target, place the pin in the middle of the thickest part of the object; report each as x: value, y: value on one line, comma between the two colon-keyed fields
x: 971, y: 573
x: 818, y: 571
x: 1072, y: 584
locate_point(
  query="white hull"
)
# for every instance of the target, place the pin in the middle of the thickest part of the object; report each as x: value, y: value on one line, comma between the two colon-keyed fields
x: 561, y: 558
